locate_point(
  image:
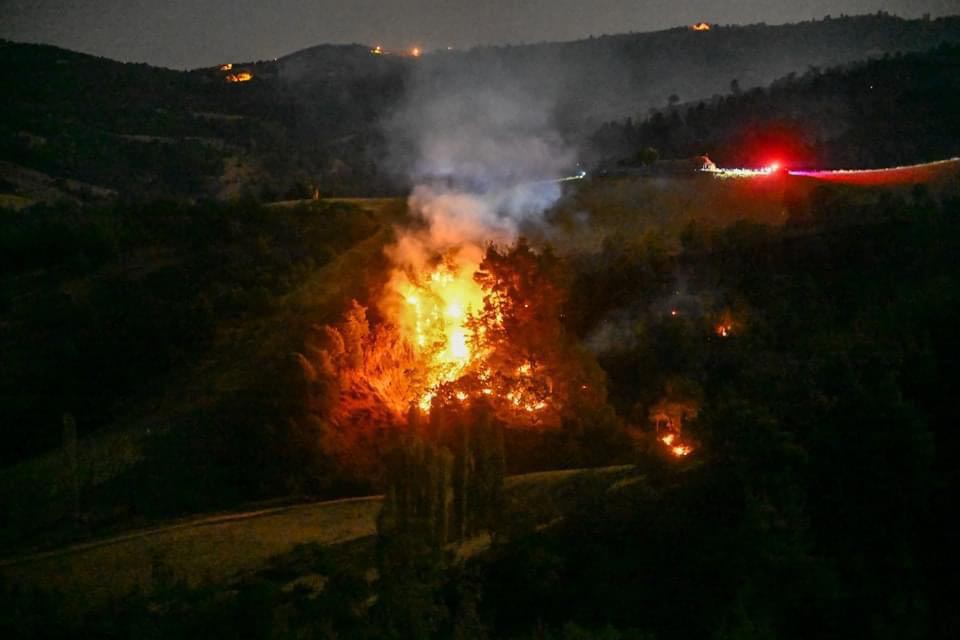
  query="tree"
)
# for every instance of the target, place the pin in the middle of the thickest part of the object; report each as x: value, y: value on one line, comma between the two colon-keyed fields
x: 537, y: 370
x: 411, y: 533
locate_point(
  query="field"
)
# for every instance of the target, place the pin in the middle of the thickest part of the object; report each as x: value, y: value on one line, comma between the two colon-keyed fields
x: 217, y: 549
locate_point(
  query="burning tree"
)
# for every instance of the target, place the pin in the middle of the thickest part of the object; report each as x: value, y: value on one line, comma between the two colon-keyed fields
x: 533, y: 370
x: 457, y: 334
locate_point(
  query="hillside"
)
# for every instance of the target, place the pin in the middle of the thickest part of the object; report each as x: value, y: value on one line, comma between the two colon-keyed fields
x: 180, y: 360
x: 153, y: 321
x: 618, y: 75
x: 897, y: 110
x: 88, y: 127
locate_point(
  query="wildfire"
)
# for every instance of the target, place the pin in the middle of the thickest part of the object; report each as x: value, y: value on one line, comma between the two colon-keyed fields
x: 674, y: 446
x: 377, y: 50
x: 240, y: 76
x: 434, y: 319
x: 449, y: 319
x: 700, y: 26
x: 725, y: 326
x: 226, y: 67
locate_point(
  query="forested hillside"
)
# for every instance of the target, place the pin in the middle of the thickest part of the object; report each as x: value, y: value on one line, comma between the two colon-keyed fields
x: 81, y: 127
x: 896, y: 110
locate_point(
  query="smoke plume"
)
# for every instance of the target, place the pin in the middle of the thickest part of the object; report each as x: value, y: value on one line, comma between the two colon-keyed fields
x: 481, y: 153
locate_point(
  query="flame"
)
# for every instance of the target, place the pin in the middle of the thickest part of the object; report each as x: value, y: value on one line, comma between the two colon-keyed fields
x: 434, y: 320
x: 415, y: 52
x: 226, y: 67
x: 700, y: 26
x: 377, y: 50
x: 675, y: 447
x: 240, y: 76
x: 436, y: 316
x: 725, y: 325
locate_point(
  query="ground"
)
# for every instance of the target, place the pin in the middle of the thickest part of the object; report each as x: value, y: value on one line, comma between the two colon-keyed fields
x: 220, y: 548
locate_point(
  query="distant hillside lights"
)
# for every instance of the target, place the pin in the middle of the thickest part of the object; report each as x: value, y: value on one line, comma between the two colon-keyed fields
x: 414, y: 52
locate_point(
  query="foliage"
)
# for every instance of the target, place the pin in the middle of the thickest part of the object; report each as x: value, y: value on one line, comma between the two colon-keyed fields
x: 855, y: 116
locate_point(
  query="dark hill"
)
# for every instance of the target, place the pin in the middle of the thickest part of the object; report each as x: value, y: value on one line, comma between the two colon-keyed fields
x: 898, y: 110
x: 311, y: 119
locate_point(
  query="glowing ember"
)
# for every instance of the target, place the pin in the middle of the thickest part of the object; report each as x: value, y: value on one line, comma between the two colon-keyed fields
x: 226, y: 67
x: 241, y: 76
x: 675, y: 446
x: 700, y: 26
x: 377, y: 50
x: 415, y: 52
x: 724, y: 330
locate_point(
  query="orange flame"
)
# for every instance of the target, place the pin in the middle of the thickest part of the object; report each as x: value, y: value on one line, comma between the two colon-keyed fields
x: 241, y: 76
x: 700, y: 26
x: 437, y: 315
x: 681, y: 450
x: 675, y: 447
x: 433, y: 319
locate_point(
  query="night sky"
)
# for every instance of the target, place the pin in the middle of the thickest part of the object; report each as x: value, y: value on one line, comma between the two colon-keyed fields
x: 192, y: 33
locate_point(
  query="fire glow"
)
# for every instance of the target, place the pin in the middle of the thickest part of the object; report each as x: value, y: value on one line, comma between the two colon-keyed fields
x: 240, y: 76
x: 674, y: 446
x: 443, y: 317
x: 433, y: 318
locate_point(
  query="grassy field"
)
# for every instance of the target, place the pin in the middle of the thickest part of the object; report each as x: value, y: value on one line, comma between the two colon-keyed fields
x: 217, y: 549
x: 626, y: 208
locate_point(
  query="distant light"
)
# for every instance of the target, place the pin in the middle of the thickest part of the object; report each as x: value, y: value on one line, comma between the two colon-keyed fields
x: 415, y: 52
x: 700, y: 26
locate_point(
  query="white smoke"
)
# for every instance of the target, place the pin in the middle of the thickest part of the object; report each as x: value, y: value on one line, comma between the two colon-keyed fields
x: 481, y: 157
